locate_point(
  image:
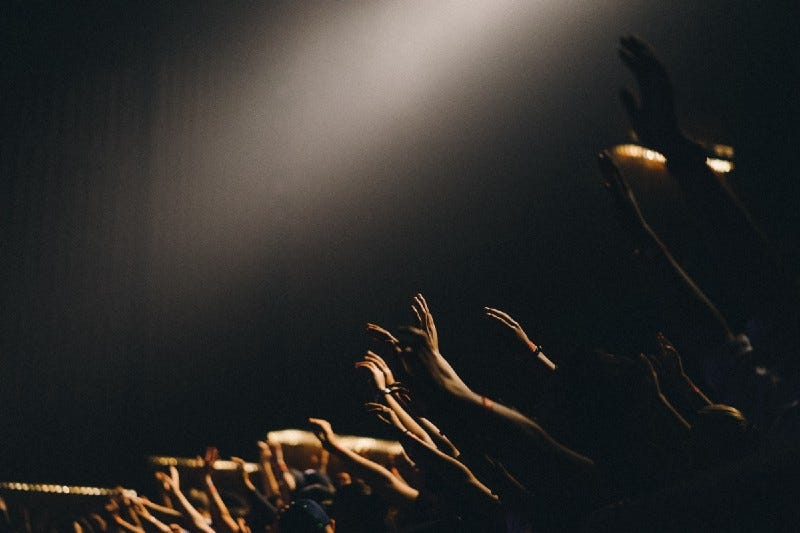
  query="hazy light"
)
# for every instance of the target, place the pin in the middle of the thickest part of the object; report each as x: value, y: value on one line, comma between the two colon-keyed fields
x: 337, y: 90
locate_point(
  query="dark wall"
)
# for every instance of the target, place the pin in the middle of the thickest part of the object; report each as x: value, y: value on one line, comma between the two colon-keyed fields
x: 203, y: 203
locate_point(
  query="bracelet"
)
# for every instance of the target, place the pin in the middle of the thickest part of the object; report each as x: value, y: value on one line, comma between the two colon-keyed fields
x: 487, y: 403
x: 382, y: 392
x: 535, y: 348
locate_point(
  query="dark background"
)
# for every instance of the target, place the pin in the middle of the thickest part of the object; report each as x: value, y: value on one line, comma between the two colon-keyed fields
x: 204, y: 202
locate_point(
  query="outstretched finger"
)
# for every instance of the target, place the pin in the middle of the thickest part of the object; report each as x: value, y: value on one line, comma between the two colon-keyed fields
x: 500, y: 319
x: 381, y: 334
x: 417, y: 314
x: 376, y: 359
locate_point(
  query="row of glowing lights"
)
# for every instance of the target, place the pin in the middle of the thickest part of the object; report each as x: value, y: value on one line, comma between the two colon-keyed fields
x: 55, y: 489
x: 633, y: 150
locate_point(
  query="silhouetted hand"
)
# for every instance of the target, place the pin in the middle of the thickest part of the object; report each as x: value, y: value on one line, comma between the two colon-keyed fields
x: 381, y: 364
x: 653, y: 116
x: 516, y: 329
x: 687, y: 397
x: 427, y: 366
x: 324, y: 432
x: 385, y: 415
x: 382, y: 334
x: 667, y: 362
x: 207, y: 461
x: 377, y: 376
x: 425, y: 319
x: 243, y: 473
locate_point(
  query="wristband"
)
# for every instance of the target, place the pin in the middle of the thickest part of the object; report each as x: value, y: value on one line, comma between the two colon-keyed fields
x: 487, y: 403
x: 382, y: 392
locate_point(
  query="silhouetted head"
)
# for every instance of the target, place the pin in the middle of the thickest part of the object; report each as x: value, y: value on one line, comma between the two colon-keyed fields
x: 305, y: 516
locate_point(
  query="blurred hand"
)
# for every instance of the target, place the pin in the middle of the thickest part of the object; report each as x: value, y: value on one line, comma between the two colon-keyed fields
x: 264, y: 451
x: 207, y: 461
x: 277, y: 450
x: 385, y: 414
x: 667, y: 362
x: 245, y: 475
x: 324, y: 432
x: 172, y: 481
x: 653, y: 117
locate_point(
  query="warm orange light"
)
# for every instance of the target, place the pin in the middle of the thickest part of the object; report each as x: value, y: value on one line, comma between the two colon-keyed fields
x: 721, y: 166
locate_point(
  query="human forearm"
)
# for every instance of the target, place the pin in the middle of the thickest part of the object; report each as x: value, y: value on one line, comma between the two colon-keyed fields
x: 221, y: 515
x: 407, y: 420
x: 396, y: 491
x: 442, y: 442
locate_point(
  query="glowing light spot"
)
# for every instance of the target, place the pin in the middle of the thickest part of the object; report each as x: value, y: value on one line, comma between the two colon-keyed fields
x: 721, y: 166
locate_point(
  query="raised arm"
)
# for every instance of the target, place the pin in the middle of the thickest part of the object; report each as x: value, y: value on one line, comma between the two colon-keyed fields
x: 374, y: 364
x: 645, y: 238
x: 173, y: 480
x: 271, y: 485
x: 472, y: 417
x: 220, y: 514
x: 742, y: 247
x: 506, y: 320
x: 395, y: 491
x: 146, y: 516
x: 460, y: 479
x: 676, y: 384
x: 286, y: 481
x: 262, y: 513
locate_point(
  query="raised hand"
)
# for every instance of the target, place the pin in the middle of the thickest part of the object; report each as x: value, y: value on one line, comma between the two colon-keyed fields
x: 653, y: 116
x: 667, y: 362
x: 427, y: 366
x: 243, y: 473
x: 514, y: 326
x: 687, y: 397
x: 207, y: 461
x: 324, y: 432
x: 277, y: 451
x: 425, y: 319
x: 382, y: 334
x: 172, y: 482
x: 264, y: 451
x: 377, y: 376
x: 381, y: 364
x: 385, y: 415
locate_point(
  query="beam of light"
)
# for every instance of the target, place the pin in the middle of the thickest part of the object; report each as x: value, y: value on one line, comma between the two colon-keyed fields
x: 635, y: 151
x: 329, y: 104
